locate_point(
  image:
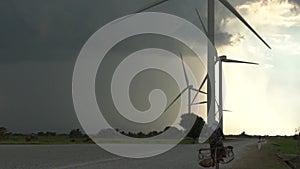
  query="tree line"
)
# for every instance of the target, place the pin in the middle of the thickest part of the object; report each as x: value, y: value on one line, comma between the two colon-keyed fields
x: 185, y: 123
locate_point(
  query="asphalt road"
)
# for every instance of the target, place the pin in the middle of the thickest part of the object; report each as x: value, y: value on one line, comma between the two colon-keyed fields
x: 93, y: 157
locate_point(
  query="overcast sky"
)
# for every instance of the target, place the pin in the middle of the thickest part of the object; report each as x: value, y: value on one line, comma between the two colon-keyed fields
x: 40, y: 41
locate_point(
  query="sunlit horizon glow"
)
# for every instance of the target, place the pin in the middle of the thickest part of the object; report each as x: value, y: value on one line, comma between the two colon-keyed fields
x: 265, y: 98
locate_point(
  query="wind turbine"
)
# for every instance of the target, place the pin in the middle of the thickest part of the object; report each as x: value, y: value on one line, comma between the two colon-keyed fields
x: 189, y: 89
x: 224, y: 59
x: 211, y: 36
x: 221, y: 59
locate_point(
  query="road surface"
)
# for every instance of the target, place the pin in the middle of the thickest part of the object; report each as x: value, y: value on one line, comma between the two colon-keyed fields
x: 93, y: 157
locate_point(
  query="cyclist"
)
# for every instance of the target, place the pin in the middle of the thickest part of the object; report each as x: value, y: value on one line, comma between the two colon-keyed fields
x: 216, y: 143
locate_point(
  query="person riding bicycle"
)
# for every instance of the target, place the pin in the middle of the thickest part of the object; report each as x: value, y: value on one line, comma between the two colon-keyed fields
x: 216, y: 143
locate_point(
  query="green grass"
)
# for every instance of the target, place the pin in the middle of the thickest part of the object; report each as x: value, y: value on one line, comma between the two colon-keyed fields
x: 67, y: 140
x: 43, y: 140
x: 231, y: 140
x: 258, y: 159
x: 285, y: 146
x: 143, y: 141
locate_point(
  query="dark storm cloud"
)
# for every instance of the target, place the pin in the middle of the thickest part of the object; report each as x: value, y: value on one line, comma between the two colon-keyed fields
x: 53, y: 29
x: 40, y: 41
x: 36, y: 96
x: 57, y: 29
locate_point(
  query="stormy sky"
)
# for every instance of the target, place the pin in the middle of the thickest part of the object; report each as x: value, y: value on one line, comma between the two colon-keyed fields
x: 40, y: 42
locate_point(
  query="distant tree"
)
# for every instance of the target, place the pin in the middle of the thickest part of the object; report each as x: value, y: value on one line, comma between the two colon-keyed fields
x: 41, y: 133
x: 172, y: 132
x: 196, y: 127
x: 297, y: 134
x: 75, y: 133
x: 130, y: 134
x: 87, y: 139
x: 140, y: 135
x: 48, y: 133
x: 4, y: 134
x: 153, y: 133
x: 167, y: 128
x: 3, y: 131
x: 243, y: 134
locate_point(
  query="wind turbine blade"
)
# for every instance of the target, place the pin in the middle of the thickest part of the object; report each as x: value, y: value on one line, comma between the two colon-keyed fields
x: 217, y: 103
x: 202, y: 92
x: 227, y: 110
x: 238, y: 61
x: 184, y: 71
x: 179, y: 95
x: 217, y: 112
x: 236, y: 13
x: 205, y: 102
x: 197, y: 90
x: 202, y: 84
x: 201, y: 21
x: 156, y: 3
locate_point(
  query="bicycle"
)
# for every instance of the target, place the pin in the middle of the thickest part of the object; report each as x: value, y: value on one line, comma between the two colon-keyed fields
x: 221, y: 155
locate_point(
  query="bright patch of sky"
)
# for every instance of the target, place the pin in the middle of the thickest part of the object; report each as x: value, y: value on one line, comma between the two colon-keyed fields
x: 265, y: 98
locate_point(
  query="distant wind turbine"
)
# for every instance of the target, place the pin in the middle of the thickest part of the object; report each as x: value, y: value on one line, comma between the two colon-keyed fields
x: 188, y: 89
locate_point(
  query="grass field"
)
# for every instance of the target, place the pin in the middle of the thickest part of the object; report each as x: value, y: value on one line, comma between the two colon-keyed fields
x: 266, y: 157
x: 285, y: 146
x: 67, y: 140
x: 255, y: 159
x: 43, y: 140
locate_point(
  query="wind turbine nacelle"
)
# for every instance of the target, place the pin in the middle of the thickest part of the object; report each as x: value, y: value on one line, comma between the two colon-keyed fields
x: 223, y: 57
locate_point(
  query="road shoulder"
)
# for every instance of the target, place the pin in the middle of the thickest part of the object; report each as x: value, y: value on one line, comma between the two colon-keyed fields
x: 259, y: 159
